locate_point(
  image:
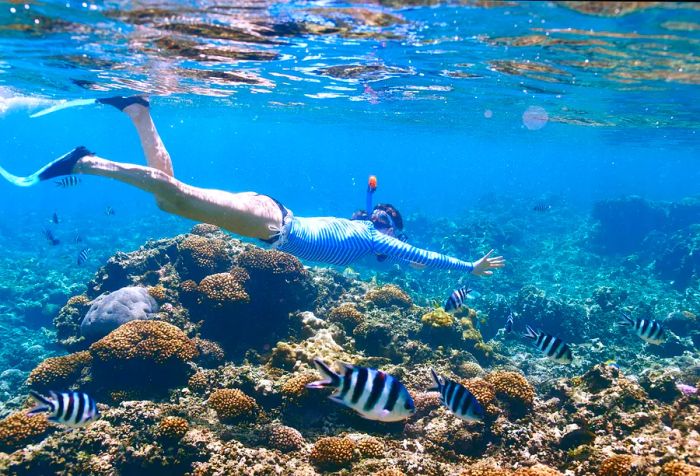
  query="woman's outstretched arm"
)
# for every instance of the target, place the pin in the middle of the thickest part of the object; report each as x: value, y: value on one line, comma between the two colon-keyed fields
x: 418, y: 257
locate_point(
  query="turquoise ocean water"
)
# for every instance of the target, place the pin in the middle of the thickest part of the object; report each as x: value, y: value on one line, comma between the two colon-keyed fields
x: 471, y: 114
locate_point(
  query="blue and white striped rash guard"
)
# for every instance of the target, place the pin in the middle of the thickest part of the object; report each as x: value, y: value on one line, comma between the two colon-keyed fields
x: 340, y: 241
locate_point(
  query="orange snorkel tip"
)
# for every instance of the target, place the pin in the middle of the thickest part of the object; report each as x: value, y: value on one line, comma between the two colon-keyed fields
x: 372, y: 183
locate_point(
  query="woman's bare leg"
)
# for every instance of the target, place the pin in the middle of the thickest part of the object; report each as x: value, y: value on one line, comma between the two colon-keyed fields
x: 248, y: 213
x: 157, y: 155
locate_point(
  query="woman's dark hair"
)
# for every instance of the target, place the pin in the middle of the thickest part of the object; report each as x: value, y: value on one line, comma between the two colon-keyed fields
x: 392, y: 212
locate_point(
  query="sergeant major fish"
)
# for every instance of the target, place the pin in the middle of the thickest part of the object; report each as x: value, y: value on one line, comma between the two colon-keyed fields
x: 458, y: 399
x: 73, y: 409
x: 70, y: 181
x: 83, y: 256
x: 457, y: 298
x: 553, y: 347
x: 373, y: 394
x: 648, y: 330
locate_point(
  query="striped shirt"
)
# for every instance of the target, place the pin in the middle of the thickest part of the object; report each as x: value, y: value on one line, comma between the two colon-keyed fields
x: 340, y: 241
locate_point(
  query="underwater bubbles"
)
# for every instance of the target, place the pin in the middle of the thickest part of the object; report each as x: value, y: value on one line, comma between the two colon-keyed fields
x: 535, y: 117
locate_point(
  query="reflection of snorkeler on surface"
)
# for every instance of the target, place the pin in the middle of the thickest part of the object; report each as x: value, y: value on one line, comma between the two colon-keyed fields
x: 325, y: 239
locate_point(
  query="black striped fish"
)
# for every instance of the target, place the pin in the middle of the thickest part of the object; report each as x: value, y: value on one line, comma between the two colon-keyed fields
x: 648, y: 330
x: 109, y: 211
x: 509, y: 323
x: 83, y: 256
x: 70, y: 181
x: 457, y: 298
x: 48, y: 234
x: 373, y: 394
x: 458, y: 399
x: 551, y: 346
x: 72, y: 409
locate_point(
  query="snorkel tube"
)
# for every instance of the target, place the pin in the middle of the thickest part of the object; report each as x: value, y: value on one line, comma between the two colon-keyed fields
x: 371, y: 188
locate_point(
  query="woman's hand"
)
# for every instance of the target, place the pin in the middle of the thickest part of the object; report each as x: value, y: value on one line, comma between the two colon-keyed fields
x: 484, y: 265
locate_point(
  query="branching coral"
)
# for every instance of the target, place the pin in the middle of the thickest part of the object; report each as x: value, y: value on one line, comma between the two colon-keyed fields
x: 20, y: 429
x: 200, y: 256
x: 677, y: 468
x: 389, y: 295
x: 172, y: 428
x: 514, y: 389
x: 285, y: 438
x: 616, y: 465
x: 233, y: 405
x: 370, y: 447
x: 198, y: 382
x: 59, y: 372
x: 222, y: 290
x: 333, y: 452
x: 295, y: 387
x: 143, y: 351
x: 211, y: 354
x: 347, y: 315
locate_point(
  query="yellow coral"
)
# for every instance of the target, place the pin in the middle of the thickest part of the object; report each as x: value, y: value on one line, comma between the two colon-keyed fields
x: 389, y: 295
x: 272, y: 261
x: 437, y: 318
x: 219, y: 290
x: 389, y: 472
x: 370, y: 447
x: 20, y: 429
x: 283, y: 356
x: 152, y: 341
x: 347, y: 315
x: 285, y: 439
x: 537, y: 470
x: 172, y: 428
x: 470, y: 369
x: 59, y: 372
x: 333, y: 452
x: 616, y: 465
x: 231, y: 404
x: 677, y: 468
x: 188, y: 286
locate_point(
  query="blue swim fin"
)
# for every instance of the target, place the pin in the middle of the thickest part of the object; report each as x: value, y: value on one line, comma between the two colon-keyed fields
x: 64, y: 105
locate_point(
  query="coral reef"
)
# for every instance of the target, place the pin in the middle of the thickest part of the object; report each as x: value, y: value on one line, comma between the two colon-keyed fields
x: 285, y: 438
x: 514, y: 389
x: 172, y: 428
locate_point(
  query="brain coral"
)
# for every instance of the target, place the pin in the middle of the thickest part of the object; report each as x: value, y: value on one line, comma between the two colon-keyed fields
x: 514, y: 389
x: 109, y: 311
x: 172, y: 428
x: 285, y: 438
x: 59, y: 372
x: 232, y: 405
x: 200, y: 256
x: 20, y: 429
x: 485, y: 393
x: 333, y: 452
x: 616, y: 465
x: 142, y: 351
x: 389, y: 295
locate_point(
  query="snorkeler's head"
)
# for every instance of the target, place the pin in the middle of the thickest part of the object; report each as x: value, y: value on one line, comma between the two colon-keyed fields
x: 360, y: 215
x: 387, y: 219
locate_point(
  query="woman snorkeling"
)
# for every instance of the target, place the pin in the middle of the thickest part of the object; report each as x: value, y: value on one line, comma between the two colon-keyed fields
x: 330, y: 240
